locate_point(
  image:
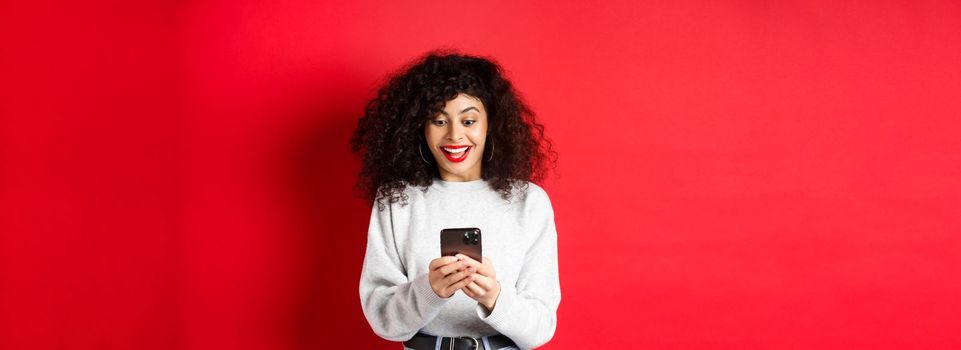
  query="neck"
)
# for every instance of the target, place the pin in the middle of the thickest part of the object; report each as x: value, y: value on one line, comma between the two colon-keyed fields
x: 471, y: 176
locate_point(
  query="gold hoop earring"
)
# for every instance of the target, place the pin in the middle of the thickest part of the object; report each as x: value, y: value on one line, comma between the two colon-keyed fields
x: 420, y: 149
x: 492, y: 152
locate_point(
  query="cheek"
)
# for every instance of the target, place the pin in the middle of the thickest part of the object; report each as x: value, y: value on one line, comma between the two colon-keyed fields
x: 479, y: 135
x: 430, y: 136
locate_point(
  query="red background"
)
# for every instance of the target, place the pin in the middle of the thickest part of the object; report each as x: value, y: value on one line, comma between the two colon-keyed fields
x: 737, y: 174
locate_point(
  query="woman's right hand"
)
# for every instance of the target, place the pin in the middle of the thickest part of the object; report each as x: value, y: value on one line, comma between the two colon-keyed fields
x: 449, y: 274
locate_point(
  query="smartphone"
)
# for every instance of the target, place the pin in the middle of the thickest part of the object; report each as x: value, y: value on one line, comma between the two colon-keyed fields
x: 465, y: 241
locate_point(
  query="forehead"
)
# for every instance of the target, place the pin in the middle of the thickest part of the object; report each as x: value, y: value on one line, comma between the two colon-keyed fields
x: 462, y: 102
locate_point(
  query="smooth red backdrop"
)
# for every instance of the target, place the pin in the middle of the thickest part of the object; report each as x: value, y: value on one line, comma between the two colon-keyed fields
x: 734, y: 174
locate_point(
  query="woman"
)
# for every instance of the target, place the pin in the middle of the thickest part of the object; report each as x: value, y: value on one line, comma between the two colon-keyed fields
x: 447, y: 143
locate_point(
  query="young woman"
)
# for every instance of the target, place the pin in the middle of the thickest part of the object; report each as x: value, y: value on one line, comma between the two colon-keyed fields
x: 447, y: 143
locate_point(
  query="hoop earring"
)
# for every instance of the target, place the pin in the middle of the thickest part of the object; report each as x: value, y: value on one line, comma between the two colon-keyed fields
x: 420, y: 149
x: 492, y: 152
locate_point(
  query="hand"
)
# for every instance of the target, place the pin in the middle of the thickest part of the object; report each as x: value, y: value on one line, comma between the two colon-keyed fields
x: 484, y: 288
x: 448, y: 274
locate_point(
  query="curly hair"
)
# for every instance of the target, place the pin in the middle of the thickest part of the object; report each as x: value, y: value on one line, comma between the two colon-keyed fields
x: 392, y: 128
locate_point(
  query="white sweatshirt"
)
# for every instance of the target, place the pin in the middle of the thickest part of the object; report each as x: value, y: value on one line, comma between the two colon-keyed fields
x: 518, y: 237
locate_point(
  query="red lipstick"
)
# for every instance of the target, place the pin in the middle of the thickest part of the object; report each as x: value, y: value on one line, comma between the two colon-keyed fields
x: 457, y: 156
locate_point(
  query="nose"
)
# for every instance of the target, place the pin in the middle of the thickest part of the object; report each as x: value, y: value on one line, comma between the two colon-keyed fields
x: 455, y: 133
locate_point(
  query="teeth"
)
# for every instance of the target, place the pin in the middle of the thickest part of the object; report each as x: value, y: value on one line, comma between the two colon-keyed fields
x: 455, y: 151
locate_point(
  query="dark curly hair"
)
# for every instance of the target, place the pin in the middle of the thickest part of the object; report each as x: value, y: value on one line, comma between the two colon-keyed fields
x: 392, y: 128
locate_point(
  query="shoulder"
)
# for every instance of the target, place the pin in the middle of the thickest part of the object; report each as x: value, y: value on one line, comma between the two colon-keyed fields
x: 398, y: 197
x: 532, y: 197
x: 527, y: 190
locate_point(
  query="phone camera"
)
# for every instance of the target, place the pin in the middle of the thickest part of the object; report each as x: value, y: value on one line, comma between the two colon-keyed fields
x: 471, y: 238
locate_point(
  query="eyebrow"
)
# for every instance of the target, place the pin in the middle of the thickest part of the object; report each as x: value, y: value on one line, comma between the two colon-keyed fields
x: 462, y: 112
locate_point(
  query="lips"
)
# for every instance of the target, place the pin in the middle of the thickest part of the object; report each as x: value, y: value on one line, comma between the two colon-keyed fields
x: 456, y: 153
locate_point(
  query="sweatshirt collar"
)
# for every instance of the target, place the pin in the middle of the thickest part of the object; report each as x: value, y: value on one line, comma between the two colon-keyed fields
x: 460, y: 186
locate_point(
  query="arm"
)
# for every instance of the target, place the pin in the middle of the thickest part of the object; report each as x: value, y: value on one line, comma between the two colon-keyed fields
x: 395, y: 307
x: 527, y: 312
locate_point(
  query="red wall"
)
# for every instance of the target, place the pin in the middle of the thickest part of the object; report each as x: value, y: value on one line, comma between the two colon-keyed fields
x: 736, y: 175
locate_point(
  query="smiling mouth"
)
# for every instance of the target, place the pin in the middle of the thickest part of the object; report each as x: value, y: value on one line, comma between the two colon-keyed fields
x: 456, y: 154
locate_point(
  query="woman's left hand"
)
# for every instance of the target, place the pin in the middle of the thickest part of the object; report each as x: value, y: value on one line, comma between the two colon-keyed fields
x: 484, y: 288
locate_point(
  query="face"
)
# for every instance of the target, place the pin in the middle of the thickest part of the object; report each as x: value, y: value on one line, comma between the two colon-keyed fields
x: 456, y: 138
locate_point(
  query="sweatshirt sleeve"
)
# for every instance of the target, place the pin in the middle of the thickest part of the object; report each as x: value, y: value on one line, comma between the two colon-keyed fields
x: 527, y: 311
x: 395, y: 306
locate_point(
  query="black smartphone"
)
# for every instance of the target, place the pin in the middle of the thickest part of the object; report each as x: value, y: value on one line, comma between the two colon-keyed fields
x: 465, y: 241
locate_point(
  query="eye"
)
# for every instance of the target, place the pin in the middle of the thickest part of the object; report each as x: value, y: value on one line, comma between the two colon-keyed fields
x: 469, y: 122
x: 439, y: 122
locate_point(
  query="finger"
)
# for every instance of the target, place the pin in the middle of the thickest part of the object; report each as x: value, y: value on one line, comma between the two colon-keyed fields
x: 457, y: 276
x: 474, y: 288
x: 486, y: 269
x: 441, y: 261
x: 460, y: 284
x: 451, y: 268
x: 468, y: 260
x: 484, y: 282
